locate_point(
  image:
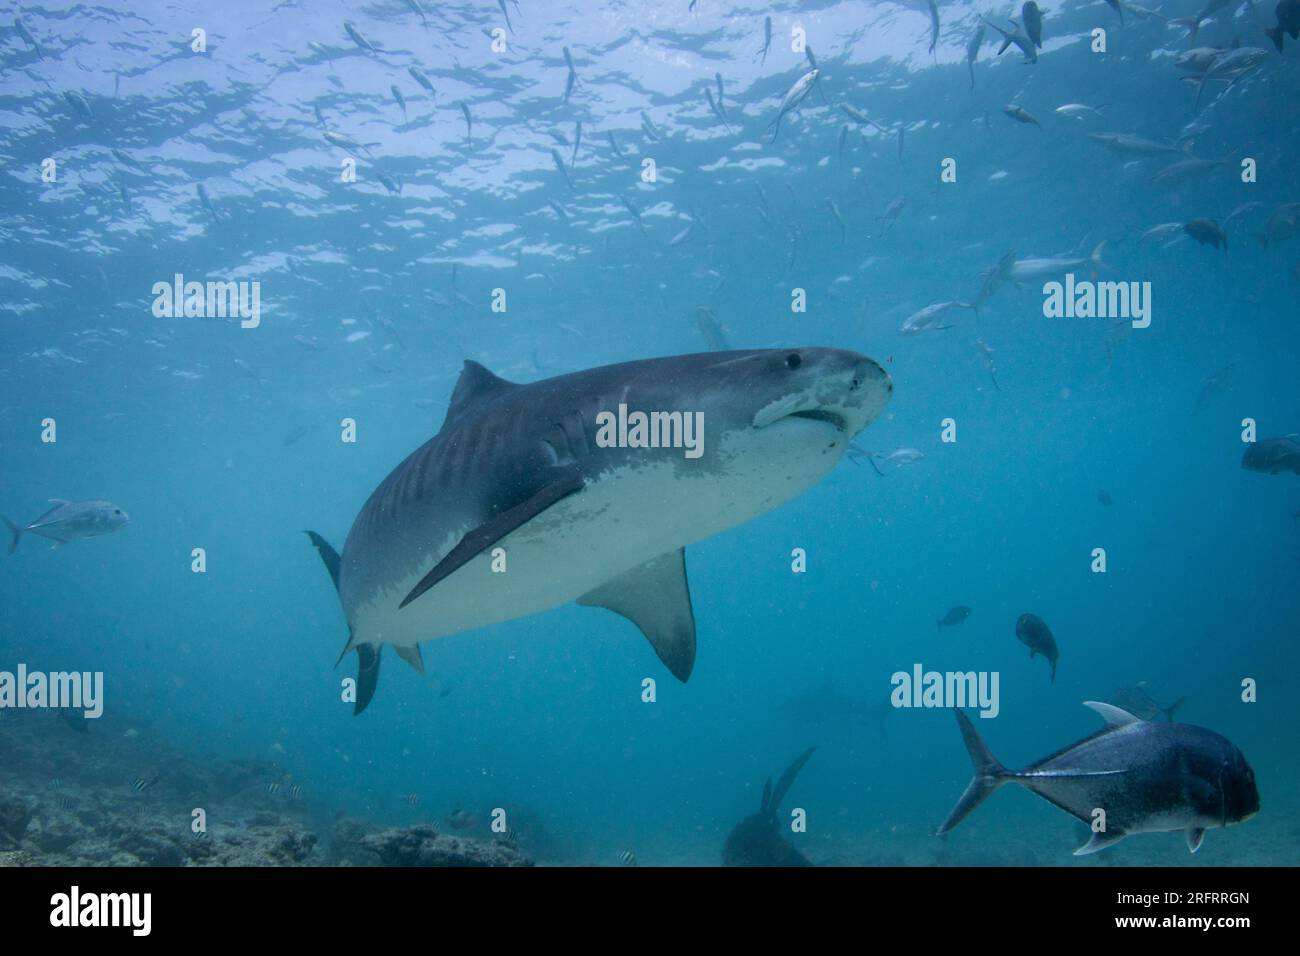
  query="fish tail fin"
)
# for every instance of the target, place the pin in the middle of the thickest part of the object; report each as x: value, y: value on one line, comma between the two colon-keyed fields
x: 14, y: 530
x: 989, y: 775
x: 1096, y: 258
x: 1169, y: 711
x: 367, y: 654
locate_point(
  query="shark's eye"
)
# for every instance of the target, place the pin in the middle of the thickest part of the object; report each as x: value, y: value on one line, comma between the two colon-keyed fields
x: 793, y: 361
x: 117, y: 511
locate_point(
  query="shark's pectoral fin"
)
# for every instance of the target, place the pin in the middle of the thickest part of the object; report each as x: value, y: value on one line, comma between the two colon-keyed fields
x: 656, y: 598
x: 1194, y: 837
x: 327, y: 555
x: 412, y: 656
x: 492, y: 531
x: 367, y: 674
x: 1099, y: 841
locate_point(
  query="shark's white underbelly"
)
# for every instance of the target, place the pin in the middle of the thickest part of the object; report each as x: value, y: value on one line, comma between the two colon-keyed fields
x: 616, y: 523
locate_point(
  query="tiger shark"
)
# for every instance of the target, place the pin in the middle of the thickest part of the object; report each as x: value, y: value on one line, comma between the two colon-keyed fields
x: 529, y: 497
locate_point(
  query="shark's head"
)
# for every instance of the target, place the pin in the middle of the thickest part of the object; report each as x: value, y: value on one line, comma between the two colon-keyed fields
x: 799, y: 388
x: 787, y: 411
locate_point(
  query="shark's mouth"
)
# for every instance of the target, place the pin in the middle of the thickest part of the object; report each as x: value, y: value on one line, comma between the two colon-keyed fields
x: 788, y: 407
x: 822, y: 415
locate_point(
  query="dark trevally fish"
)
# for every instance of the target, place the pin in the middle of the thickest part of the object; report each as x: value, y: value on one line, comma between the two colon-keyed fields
x: 1215, y: 385
x: 1142, y: 705
x: 534, y: 472
x: 1272, y: 456
x: 294, y: 436
x: 79, y: 104
x: 559, y: 164
x: 994, y: 276
x: 1033, y: 632
x: 955, y: 616
x: 1028, y: 270
x: 1187, y: 169
x: 1230, y: 67
x: 1207, y: 232
x: 418, y: 75
x: 793, y: 97
x: 986, y: 356
x: 1283, y: 224
x: 1020, y: 115
x: 1134, y: 145
x: 767, y: 40
x: 708, y: 325
x: 826, y: 705
x: 469, y: 124
x: 1148, y: 778
x: 1032, y: 18
x: 891, y: 213
x: 973, y: 49
x: 31, y: 40
x: 1288, y: 22
x: 71, y: 521
x: 757, y: 840
x: 1019, y: 38
x: 357, y: 38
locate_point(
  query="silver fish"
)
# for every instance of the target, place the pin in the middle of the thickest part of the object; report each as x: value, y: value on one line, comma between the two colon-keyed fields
x: 71, y: 521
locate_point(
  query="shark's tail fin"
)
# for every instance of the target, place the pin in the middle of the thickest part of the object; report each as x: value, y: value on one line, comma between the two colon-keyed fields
x: 367, y: 654
x: 14, y: 530
x: 989, y: 775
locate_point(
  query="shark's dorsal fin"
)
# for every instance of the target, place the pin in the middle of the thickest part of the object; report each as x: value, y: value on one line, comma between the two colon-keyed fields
x: 1114, y: 716
x: 656, y: 598
x: 476, y: 384
x: 783, y: 782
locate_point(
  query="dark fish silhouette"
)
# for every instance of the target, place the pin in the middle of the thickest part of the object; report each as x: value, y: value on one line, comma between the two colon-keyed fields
x: 826, y: 705
x: 1207, y: 233
x: 1033, y: 632
x: 1288, y: 22
x: 955, y: 616
x: 1272, y: 456
x: 1105, y: 498
x: 756, y: 840
x: 1148, y: 778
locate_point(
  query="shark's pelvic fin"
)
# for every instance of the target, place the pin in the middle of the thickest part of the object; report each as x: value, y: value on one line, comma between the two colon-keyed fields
x: 656, y: 598
x: 490, y: 532
x: 411, y: 654
x: 367, y: 674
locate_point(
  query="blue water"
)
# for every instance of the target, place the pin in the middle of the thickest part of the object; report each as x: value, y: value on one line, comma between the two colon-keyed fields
x: 183, y: 421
